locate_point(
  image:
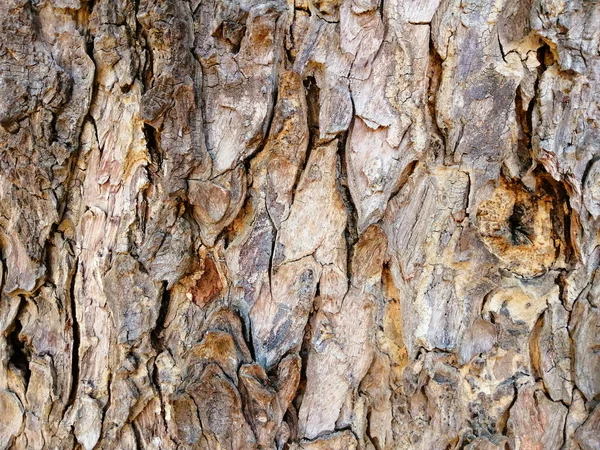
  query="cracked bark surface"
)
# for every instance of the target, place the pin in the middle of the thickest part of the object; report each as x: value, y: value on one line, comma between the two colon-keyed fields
x: 300, y: 224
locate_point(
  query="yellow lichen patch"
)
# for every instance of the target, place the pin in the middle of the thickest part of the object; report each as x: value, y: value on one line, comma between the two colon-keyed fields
x: 525, y: 230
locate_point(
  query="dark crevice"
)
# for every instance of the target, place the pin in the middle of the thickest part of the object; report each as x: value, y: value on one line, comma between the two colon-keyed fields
x: 291, y: 415
x: 153, y: 145
x: 156, y: 381
x: 3, y: 272
x: 274, y: 235
x: 247, y: 164
x: 404, y: 177
x: 502, y: 425
x: 246, y: 325
x: 264, y: 137
x: 109, y: 394
x: 519, y: 225
x: 501, y: 46
x: 523, y: 116
x: 232, y: 31
x: 289, y: 44
x: 89, y: 49
x: 147, y: 74
x: 562, y: 283
x: 304, y: 353
x: 313, y: 94
x: 524, y: 112
x: 76, y: 340
x: 438, y: 138
x: 155, y: 335
x: 561, y: 213
x: 374, y: 439
x: 461, y: 132
x: 20, y: 353
x: 545, y: 56
x: 138, y: 436
x: 351, y: 232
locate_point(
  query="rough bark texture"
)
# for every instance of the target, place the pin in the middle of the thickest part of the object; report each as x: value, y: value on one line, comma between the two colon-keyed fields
x: 303, y: 225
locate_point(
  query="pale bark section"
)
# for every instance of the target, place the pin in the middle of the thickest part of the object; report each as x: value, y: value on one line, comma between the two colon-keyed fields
x: 309, y: 224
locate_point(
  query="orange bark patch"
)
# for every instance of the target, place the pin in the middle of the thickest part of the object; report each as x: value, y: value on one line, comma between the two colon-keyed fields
x: 208, y: 286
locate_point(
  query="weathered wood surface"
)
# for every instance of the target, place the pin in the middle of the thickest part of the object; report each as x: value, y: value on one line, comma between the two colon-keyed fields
x: 309, y: 224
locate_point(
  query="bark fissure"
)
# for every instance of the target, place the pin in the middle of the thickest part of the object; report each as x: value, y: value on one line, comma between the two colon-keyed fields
x: 318, y: 224
x: 76, y: 341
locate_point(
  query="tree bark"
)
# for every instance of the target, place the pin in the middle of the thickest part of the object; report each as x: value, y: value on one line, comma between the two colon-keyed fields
x: 309, y: 224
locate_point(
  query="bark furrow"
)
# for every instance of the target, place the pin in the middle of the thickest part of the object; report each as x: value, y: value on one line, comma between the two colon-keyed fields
x: 300, y: 224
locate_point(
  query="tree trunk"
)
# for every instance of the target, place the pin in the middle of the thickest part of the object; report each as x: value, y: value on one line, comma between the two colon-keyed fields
x: 309, y: 224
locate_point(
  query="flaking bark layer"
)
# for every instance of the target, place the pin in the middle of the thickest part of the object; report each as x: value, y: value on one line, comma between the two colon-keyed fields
x: 300, y: 224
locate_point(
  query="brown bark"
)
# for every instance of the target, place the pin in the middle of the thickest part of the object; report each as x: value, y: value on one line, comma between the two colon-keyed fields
x: 309, y: 224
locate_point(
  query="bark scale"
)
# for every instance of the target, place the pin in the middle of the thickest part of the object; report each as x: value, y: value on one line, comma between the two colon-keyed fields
x: 309, y: 224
